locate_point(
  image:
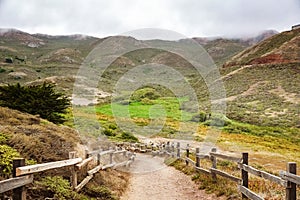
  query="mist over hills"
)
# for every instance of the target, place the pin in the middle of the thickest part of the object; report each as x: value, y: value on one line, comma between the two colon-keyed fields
x: 257, y: 77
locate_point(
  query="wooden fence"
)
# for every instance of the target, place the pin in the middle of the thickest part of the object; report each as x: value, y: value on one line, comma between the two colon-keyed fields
x: 23, y: 175
x: 287, y: 178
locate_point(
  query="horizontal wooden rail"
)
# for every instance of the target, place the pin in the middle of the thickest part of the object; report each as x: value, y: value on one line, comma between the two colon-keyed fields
x: 84, y: 163
x: 13, y: 183
x: 202, y: 156
x: 120, y: 164
x: 46, y: 166
x: 248, y: 193
x: 202, y: 170
x: 94, y: 170
x: 108, y: 166
x: 120, y: 151
x: 226, y: 157
x: 290, y: 177
x: 190, y: 161
x: 263, y: 174
x: 106, y: 152
x: 226, y: 175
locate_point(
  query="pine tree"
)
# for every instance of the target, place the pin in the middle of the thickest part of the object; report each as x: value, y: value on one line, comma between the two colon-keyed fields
x: 40, y: 100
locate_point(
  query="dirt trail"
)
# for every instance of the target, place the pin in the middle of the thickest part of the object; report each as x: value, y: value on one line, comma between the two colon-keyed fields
x: 152, y: 179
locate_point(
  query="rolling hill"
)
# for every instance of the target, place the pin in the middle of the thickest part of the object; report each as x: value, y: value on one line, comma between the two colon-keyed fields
x: 261, y: 81
x: 282, y: 48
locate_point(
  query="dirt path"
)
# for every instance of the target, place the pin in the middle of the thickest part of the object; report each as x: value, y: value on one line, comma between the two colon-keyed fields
x: 152, y: 179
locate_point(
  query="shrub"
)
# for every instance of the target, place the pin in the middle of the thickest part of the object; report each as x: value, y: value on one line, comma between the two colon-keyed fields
x: 57, y: 186
x: 200, y: 117
x: 101, y: 192
x: 125, y: 136
x: 108, y: 132
x: 7, y: 154
x: 40, y: 99
x: 217, y: 120
x: 140, y: 94
x: 4, y: 138
x: 2, y: 70
x: 112, y: 126
x: 147, y: 101
x: 9, y: 60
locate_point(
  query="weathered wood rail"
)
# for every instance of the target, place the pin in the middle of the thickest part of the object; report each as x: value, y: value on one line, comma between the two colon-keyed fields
x: 23, y: 175
x: 288, y: 179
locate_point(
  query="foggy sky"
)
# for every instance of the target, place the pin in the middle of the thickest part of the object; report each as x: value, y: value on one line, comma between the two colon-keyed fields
x: 111, y: 17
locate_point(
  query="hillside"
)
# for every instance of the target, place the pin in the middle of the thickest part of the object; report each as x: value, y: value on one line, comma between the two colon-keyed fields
x: 35, y: 138
x: 262, y: 95
x: 40, y: 141
x: 222, y: 49
x: 282, y: 48
x: 262, y: 98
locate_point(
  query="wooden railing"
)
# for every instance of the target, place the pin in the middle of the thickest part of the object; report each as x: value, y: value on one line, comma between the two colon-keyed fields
x: 23, y: 175
x: 287, y: 179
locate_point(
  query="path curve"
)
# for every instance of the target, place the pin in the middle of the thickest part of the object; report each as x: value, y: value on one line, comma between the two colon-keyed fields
x: 151, y: 179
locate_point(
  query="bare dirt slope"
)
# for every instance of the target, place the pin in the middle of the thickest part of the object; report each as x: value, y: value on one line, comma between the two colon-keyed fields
x: 152, y: 179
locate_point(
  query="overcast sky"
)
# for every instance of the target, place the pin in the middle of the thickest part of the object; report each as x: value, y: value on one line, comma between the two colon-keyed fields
x: 112, y: 17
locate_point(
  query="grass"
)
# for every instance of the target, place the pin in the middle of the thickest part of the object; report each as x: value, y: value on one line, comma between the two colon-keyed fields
x: 224, y: 187
x: 269, y: 45
x: 270, y: 140
x: 171, y: 106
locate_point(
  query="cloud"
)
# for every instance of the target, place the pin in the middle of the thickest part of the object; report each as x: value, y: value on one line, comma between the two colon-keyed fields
x: 188, y: 17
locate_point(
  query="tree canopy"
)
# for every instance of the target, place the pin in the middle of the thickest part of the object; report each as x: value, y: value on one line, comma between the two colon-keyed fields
x: 40, y: 100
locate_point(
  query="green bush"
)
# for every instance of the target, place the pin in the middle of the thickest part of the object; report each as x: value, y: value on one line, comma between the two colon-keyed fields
x: 2, y: 70
x: 4, y: 138
x: 101, y: 192
x: 141, y: 94
x: 40, y: 100
x: 7, y: 154
x: 59, y: 187
x: 147, y: 101
x: 200, y: 117
x: 124, y: 136
x: 108, y: 132
x: 218, y: 120
x: 112, y: 126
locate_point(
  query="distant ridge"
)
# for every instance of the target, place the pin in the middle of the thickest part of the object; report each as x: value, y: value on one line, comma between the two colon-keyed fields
x: 281, y: 48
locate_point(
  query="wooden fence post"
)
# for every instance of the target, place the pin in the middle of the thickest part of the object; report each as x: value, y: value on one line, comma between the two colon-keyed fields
x: 168, y: 146
x: 99, y: 157
x: 73, y: 178
x: 187, y: 154
x: 245, y: 174
x: 86, y: 153
x: 214, y: 164
x: 291, y: 187
x: 111, y: 156
x: 173, y: 149
x: 197, y: 157
x: 18, y: 193
x: 178, y: 149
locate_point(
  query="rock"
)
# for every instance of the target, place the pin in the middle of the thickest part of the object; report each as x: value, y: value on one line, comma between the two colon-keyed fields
x: 17, y: 75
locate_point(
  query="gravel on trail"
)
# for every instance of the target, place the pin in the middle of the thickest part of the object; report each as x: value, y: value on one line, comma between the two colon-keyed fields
x: 151, y: 179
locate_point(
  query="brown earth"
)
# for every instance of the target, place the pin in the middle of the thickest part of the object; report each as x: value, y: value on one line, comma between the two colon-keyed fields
x: 152, y: 179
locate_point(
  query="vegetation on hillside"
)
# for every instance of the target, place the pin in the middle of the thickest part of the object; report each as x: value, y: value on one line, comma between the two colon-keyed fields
x: 40, y: 141
x: 278, y: 49
x: 40, y: 100
x: 262, y: 105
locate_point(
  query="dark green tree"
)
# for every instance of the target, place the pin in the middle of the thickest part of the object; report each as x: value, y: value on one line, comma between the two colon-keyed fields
x: 40, y: 100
